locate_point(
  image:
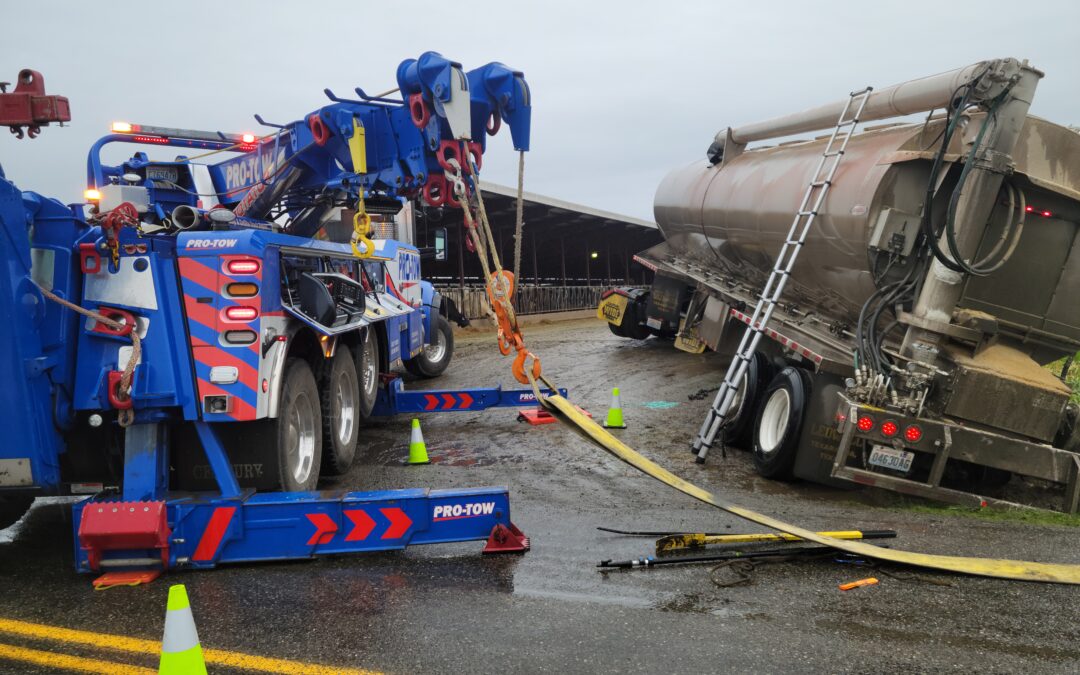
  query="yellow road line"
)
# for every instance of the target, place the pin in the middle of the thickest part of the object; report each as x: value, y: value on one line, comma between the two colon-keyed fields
x: 68, y: 662
x: 140, y: 646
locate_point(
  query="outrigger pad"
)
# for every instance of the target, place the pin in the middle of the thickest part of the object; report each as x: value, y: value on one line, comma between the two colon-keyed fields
x: 541, y: 416
x: 505, y: 539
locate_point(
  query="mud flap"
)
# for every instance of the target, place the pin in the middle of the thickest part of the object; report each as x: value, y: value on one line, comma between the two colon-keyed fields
x: 613, y: 309
x: 819, y: 438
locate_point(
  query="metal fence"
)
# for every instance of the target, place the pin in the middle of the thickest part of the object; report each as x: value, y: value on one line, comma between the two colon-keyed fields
x: 527, y: 299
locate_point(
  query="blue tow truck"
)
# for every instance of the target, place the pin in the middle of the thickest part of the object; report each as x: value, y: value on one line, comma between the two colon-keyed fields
x: 199, y: 341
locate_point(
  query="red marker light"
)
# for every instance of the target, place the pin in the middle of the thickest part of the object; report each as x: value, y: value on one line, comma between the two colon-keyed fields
x: 248, y: 138
x: 865, y: 423
x: 913, y: 434
x: 1046, y: 214
x: 241, y: 313
x: 889, y: 428
x: 1029, y: 209
x: 244, y: 266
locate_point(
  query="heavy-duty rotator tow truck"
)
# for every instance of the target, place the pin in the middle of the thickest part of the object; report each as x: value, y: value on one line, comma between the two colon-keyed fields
x: 191, y: 350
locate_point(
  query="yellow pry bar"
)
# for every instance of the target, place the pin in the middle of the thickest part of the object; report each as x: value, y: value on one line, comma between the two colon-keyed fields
x: 675, y: 542
x: 987, y: 567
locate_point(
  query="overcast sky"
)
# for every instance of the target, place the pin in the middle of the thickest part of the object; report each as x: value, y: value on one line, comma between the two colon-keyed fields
x: 623, y: 91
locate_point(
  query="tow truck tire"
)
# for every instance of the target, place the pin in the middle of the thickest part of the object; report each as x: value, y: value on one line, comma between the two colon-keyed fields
x: 298, y: 429
x: 739, y: 431
x: 340, y: 413
x: 367, y: 371
x: 12, y: 508
x: 434, y: 358
x: 778, y: 423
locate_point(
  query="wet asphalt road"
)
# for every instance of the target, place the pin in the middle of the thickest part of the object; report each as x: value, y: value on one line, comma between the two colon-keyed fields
x: 446, y: 609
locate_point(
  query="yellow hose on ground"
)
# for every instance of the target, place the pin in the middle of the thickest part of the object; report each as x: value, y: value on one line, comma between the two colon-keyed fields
x: 987, y: 567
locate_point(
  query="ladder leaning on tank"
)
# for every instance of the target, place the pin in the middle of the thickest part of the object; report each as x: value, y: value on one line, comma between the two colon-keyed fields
x: 816, y: 192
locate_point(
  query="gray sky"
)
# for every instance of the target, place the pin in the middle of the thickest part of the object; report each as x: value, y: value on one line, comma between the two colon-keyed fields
x: 623, y: 91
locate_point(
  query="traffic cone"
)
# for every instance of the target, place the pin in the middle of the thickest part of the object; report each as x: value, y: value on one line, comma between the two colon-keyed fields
x: 614, y: 414
x: 417, y: 449
x: 180, y: 650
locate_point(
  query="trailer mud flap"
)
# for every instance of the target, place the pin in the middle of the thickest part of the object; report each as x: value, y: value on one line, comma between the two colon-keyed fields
x: 988, y: 567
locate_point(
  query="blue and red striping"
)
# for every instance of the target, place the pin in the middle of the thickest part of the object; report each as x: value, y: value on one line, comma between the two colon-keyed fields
x: 206, y: 305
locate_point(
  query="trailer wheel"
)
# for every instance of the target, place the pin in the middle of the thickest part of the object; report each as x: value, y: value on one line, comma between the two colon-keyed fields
x: 367, y: 371
x: 779, y: 421
x: 434, y: 358
x: 739, y: 430
x: 12, y: 508
x: 298, y: 429
x: 340, y: 413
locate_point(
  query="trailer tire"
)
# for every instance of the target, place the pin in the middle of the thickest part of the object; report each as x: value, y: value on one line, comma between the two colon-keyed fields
x: 739, y: 430
x: 367, y: 371
x: 778, y: 423
x: 298, y: 429
x: 12, y: 508
x: 434, y: 359
x: 340, y: 413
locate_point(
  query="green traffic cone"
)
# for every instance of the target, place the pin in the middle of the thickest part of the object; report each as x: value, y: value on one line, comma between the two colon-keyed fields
x: 614, y: 414
x: 417, y: 449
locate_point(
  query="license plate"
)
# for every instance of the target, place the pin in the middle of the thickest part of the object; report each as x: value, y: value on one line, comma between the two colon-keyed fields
x: 891, y: 458
x: 165, y: 173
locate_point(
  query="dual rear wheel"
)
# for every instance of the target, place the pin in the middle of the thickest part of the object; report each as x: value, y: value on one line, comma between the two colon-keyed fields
x: 767, y: 415
x: 318, y: 423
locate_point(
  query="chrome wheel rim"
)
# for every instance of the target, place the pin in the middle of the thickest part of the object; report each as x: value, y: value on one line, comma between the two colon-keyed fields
x: 300, y: 437
x: 345, y: 406
x: 435, y: 352
x: 735, y: 409
x: 774, y: 420
x: 369, y: 377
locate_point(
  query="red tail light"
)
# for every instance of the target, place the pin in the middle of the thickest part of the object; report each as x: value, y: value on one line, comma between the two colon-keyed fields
x: 865, y: 423
x: 243, y: 266
x: 889, y: 428
x: 241, y: 313
x: 913, y: 434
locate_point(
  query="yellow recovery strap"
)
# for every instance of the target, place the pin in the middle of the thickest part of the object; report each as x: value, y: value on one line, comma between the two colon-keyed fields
x: 988, y: 567
x: 1003, y: 569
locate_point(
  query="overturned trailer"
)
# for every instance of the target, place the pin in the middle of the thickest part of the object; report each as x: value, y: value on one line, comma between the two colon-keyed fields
x: 935, y: 278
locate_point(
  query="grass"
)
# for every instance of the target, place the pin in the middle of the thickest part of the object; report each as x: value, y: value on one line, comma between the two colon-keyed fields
x: 1026, y: 516
x: 1072, y: 378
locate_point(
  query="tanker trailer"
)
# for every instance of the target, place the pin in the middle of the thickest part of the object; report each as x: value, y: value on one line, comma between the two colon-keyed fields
x: 937, y: 276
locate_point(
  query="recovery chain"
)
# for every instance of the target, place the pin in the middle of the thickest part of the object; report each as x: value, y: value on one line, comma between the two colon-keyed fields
x: 500, y: 287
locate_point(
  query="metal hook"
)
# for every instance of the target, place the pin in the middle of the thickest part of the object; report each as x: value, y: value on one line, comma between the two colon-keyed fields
x: 337, y: 99
x: 260, y: 120
x: 377, y: 99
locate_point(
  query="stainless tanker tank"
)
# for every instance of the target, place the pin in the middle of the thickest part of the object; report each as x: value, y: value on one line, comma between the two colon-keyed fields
x: 732, y: 218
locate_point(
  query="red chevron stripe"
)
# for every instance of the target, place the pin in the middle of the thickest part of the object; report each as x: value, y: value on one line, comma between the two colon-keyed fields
x: 399, y: 523
x: 363, y: 524
x: 466, y: 400
x: 325, y: 528
x: 448, y: 401
x: 431, y: 401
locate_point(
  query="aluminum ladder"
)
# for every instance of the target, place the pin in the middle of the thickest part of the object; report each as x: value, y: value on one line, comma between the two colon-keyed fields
x: 815, y: 194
